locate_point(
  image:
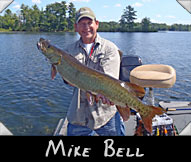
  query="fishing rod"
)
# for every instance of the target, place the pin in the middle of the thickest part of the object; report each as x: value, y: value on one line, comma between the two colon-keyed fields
x: 176, y: 106
x: 177, y: 109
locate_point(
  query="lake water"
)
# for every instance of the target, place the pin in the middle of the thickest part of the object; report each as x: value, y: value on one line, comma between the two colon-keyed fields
x: 32, y: 104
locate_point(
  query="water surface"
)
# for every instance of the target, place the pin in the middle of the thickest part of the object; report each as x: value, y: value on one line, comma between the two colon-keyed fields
x: 32, y: 104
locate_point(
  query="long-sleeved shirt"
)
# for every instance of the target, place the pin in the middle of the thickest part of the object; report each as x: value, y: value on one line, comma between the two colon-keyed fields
x: 105, y: 58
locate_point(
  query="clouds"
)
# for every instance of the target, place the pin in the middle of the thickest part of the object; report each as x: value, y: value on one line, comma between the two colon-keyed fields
x: 155, y: 11
x: 137, y: 4
x: 36, y: 1
x: 141, y: 3
x: 109, y: 6
x: 79, y: 0
x: 170, y: 17
x: 17, y: 6
x: 166, y: 16
x: 144, y: 8
x: 118, y: 5
x: 147, y: 0
x: 158, y: 11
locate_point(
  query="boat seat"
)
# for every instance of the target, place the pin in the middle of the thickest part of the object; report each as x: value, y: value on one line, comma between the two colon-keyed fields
x: 128, y: 63
x: 153, y: 76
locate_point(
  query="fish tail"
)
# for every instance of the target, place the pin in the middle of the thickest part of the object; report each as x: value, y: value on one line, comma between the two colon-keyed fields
x: 147, y: 119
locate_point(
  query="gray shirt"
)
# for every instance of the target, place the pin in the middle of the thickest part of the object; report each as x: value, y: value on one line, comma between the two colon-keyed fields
x: 105, y: 58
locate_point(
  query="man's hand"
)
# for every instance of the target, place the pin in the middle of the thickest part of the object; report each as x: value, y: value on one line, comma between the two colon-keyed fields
x: 95, y: 98
x: 104, y: 99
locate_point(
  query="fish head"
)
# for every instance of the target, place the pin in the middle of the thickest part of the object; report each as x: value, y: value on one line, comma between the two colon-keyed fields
x: 48, y: 50
x: 43, y: 45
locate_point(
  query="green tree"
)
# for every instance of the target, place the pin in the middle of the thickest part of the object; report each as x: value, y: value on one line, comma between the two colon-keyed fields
x: 174, y: 27
x: 63, y: 25
x: 127, y: 19
x: 24, y: 17
x: 122, y: 22
x: 104, y: 26
x: 35, y: 18
x: 9, y: 21
x: 17, y: 23
x: 71, y: 16
x: 55, y: 18
x: 1, y: 22
x: 60, y: 17
x: 50, y: 22
x: 146, y: 24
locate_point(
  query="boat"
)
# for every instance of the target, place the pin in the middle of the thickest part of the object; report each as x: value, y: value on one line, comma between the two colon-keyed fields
x: 177, y: 120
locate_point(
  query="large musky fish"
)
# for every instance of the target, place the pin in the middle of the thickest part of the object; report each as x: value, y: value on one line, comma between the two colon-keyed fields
x: 123, y: 95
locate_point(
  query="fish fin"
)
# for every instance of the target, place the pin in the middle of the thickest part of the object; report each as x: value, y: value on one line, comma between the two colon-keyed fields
x: 147, y: 120
x: 53, y: 71
x: 139, y: 128
x: 138, y: 91
x: 124, y: 112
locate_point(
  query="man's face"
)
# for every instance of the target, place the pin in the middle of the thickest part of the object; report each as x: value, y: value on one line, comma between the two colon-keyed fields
x: 87, y: 29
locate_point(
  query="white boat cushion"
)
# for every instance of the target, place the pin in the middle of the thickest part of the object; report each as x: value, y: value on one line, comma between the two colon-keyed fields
x: 153, y: 75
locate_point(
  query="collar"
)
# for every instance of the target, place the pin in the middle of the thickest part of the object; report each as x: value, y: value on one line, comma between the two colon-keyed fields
x: 97, y: 41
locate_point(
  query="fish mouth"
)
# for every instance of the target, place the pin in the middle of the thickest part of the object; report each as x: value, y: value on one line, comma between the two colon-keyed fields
x: 38, y: 45
x: 41, y: 49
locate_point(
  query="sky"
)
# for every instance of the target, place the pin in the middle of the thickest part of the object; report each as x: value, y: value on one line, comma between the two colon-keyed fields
x: 159, y: 11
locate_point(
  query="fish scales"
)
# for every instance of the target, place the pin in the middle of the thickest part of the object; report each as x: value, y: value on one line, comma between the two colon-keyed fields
x: 90, y: 80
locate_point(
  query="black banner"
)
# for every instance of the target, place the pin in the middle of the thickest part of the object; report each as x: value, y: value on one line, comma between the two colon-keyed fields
x: 93, y: 148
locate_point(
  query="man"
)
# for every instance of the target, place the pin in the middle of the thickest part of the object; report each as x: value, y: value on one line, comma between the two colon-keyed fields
x: 95, y: 52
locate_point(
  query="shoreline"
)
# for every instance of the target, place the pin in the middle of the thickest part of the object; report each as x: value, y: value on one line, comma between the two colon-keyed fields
x: 30, y: 32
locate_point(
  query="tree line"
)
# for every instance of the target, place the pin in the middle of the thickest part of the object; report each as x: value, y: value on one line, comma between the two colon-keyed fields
x: 60, y: 17
x: 127, y: 24
x: 56, y: 17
